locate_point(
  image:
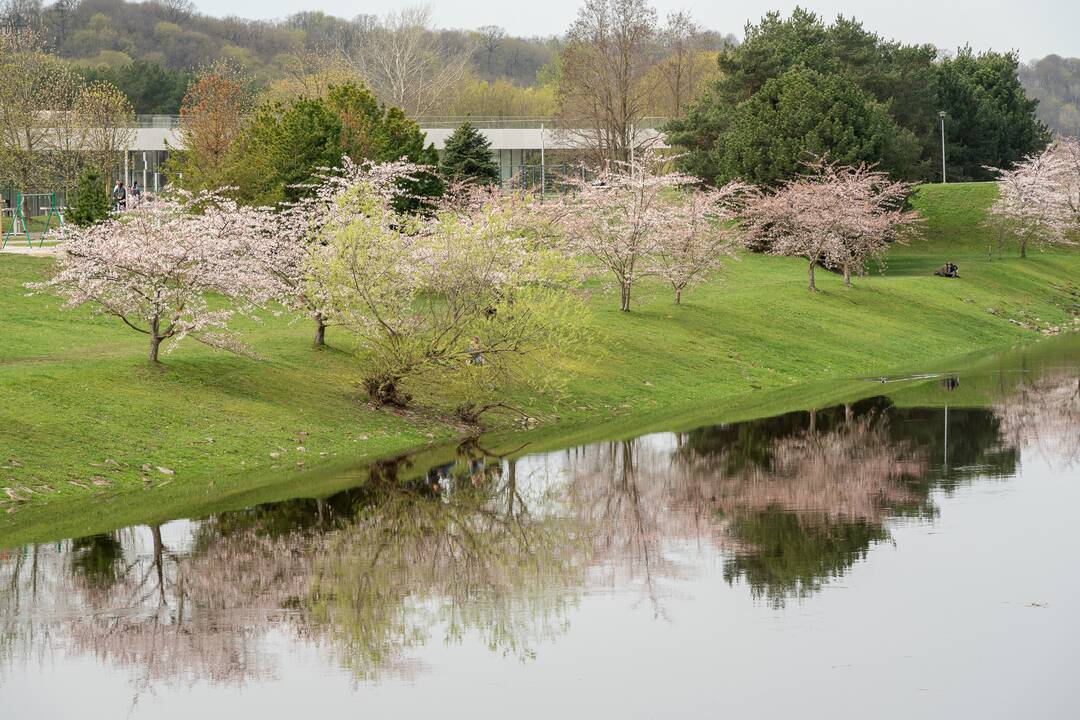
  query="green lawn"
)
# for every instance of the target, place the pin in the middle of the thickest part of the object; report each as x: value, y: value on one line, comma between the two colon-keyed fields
x: 83, y: 412
x: 37, y: 224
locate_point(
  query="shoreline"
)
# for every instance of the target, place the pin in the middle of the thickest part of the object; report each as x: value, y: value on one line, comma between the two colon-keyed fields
x: 94, y: 437
x: 128, y: 508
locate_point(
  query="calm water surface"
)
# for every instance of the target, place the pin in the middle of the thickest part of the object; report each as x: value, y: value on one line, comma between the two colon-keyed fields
x: 912, y: 553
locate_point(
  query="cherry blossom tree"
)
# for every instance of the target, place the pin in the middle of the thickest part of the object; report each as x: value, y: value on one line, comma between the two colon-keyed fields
x: 1068, y: 151
x: 621, y: 218
x: 839, y: 216
x: 283, y: 242
x: 1033, y: 199
x: 153, y: 267
x: 700, y: 232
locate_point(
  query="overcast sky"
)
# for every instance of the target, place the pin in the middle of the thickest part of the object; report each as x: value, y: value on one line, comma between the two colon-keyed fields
x: 1033, y: 27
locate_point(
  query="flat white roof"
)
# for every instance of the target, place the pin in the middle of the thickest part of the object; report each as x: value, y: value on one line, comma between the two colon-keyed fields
x: 152, y: 138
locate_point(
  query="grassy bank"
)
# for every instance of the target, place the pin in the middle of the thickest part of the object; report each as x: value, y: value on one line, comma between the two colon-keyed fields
x: 89, y: 428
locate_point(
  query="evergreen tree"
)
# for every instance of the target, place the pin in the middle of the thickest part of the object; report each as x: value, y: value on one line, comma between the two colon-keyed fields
x: 91, y: 200
x: 370, y: 131
x: 803, y: 114
x: 990, y: 121
x: 467, y: 157
x: 285, y: 145
x: 902, y: 87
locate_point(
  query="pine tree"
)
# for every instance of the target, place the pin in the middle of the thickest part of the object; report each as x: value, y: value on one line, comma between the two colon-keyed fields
x: 91, y: 200
x: 467, y: 157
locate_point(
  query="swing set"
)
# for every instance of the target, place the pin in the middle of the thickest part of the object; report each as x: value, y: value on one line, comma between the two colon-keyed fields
x: 41, y: 209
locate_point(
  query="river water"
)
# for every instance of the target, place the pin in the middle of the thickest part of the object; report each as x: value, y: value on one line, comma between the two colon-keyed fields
x: 911, y: 552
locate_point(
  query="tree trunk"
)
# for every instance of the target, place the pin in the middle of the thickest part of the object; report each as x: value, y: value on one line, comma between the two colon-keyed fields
x: 155, y: 339
x: 810, y: 275
x: 847, y: 275
x: 678, y: 296
x: 624, y: 298
x: 320, y: 330
x: 1023, y: 248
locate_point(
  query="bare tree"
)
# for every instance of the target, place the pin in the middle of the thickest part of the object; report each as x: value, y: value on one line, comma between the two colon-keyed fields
x: 491, y: 37
x: 604, y: 89
x: 402, y: 60
x: 20, y: 15
x: 58, y: 20
x: 107, y: 122
x: 685, y: 66
x: 176, y: 11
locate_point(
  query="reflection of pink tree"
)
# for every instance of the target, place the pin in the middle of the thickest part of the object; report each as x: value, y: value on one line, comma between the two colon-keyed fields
x: 166, y: 616
x: 853, y: 471
x: 641, y: 501
x: 1043, y: 414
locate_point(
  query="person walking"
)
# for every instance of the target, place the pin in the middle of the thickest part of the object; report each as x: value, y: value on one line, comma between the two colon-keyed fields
x: 119, y: 196
x: 136, y: 193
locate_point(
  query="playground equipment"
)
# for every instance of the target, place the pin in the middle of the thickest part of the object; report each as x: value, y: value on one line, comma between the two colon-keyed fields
x: 32, y: 209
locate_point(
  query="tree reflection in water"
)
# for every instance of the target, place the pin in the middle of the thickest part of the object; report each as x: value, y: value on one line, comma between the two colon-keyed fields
x: 499, y: 549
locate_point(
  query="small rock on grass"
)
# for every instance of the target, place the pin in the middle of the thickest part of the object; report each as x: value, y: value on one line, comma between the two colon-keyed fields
x: 165, y: 471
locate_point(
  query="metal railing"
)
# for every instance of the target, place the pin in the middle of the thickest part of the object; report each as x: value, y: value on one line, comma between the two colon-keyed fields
x: 522, y: 123
x: 548, y: 179
x: 157, y: 121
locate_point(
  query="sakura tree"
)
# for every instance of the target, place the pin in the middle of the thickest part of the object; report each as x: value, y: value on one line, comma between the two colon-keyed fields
x: 1068, y: 151
x: 700, y: 231
x: 621, y: 218
x: 153, y: 267
x: 1036, y: 201
x: 283, y: 243
x: 839, y: 216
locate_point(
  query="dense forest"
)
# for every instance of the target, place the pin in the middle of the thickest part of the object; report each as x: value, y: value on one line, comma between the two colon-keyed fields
x: 151, y: 49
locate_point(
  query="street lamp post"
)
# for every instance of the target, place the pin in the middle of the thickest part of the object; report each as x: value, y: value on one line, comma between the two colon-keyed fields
x: 941, y: 114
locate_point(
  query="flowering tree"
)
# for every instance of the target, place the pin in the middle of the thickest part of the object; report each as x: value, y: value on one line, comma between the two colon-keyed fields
x: 699, y: 232
x: 463, y: 295
x: 621, y: 219
x: 282, y: 244
x: 835, y: 215
x: 1033, y: 198
x: 153, y: 267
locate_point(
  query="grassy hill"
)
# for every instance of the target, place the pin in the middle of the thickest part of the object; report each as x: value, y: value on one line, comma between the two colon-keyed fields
x: 88, y: 422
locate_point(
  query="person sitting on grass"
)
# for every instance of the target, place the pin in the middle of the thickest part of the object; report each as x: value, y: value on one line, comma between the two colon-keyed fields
x: 948, y: 270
